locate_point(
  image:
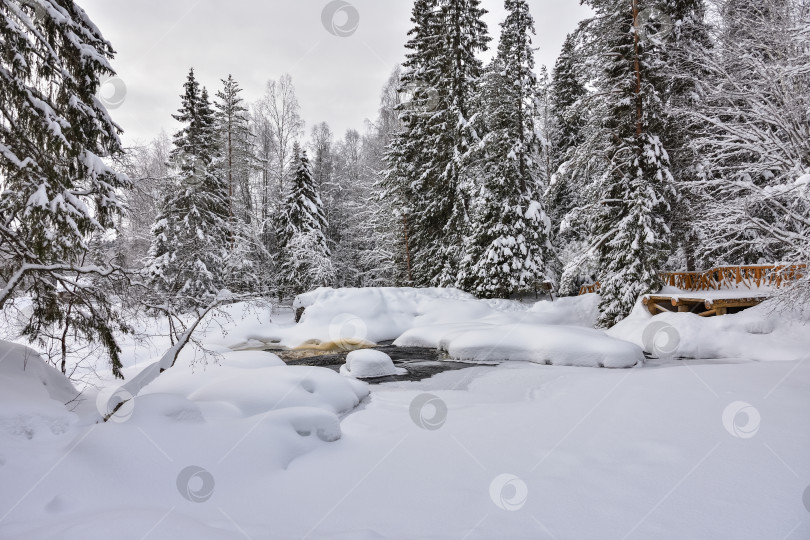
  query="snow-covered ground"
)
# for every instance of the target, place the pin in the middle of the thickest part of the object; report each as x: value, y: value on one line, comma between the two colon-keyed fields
x: 246, y: 447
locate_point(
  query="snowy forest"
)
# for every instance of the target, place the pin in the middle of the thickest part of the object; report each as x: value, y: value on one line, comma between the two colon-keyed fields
x: 672, y: 135
x: 668, y: 136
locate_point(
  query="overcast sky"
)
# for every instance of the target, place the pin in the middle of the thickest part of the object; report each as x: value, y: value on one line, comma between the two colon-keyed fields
x: 337, y: 78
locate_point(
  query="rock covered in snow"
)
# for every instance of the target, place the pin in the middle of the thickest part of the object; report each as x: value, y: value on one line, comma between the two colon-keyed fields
x: 368, y: 363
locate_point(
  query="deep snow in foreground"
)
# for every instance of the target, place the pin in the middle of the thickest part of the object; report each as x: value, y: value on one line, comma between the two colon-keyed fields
x: 246, y: 447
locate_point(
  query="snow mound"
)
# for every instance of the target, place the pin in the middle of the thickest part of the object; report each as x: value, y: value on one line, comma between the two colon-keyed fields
x: 352, y: 318
x: 257, y: 391
x: 580, y: 310
x: 19, y: 361
x: 553, y: 345
x: 251, y: 359
x: 242, y: 385
x: 32, y: 396
x: 758, y: 333
x: 559, y: 332
x: 368, y: 363
x: 165, y: 407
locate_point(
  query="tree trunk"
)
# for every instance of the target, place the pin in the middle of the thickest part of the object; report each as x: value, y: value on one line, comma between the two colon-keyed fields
x: 407, y: 248
x: 637, y: 67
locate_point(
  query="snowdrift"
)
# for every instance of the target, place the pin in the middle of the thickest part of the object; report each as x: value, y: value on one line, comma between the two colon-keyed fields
x: 467, y: 328
x: 32, y: 396
x: 761, y: 333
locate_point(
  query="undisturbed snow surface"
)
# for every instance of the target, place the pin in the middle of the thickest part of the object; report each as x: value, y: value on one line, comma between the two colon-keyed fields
x: 234, y: 444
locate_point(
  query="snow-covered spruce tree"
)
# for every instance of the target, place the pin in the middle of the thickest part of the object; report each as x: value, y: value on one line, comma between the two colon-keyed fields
x: 508, y: 248
x: 408, y: 154
x: 579, y: 148
x: 56, y: 192
x: 565, y: 130
x: 428, y: 158
x: 236, y: 143
x: 246, y: 251
x: 305, y: 254
x: 684, y: 39
x: 191, y: 243
x: 629, y: 230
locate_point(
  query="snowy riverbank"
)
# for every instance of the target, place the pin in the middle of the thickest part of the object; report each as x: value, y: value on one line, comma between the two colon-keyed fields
x: 246, y: 447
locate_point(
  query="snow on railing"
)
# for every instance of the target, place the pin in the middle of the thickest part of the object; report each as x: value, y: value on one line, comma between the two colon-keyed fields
x: 732, y: 277
x: 727, y: 277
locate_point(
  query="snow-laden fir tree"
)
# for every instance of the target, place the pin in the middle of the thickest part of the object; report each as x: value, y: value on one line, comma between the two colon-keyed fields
x: 508, y: 248
x: 630, y: 233
x: 577, y: 149
x: 409, y: 155
x: 246, y: 251
x: 683, y: 36
x: 191, y: 244
x: 427, y: 159
x: 565, y: 130
x: 305, y: 253
x: 236, y: 143
x: 56, y: 192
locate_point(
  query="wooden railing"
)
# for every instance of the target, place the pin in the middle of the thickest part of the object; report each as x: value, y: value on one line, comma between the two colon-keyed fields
x: 585, y: 289
x: 723, y: 277
x: 751, y: 277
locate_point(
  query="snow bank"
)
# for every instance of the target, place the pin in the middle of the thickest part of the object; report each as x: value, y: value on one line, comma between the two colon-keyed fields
x: 759, y: 333
x: 466, y: 327
x: 347, y: 318
x: 248, y: 383
x: 368, y: 363
x: 572, y: 311
x: 558, y: 345
x: 32, y: 396
x: 256, y: 391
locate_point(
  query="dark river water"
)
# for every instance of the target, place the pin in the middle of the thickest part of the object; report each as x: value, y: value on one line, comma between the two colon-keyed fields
x: 420, y: 362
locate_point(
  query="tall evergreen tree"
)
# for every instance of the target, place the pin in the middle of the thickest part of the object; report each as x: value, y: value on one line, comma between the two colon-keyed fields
x: 427, y: 158
x: 630, y: 233
x: 305, y: 252
x: 406, y: 155
x: 246, y: 252
x: 235, y: 140
x: 56, y: 192
x: 565, y: 132
x: 685, y: 42
x: 567, y: 88
x: 508, y: 248
x: 189, y: 253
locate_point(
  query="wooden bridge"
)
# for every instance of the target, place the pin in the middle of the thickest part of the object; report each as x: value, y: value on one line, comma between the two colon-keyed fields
x: 715, y: 291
